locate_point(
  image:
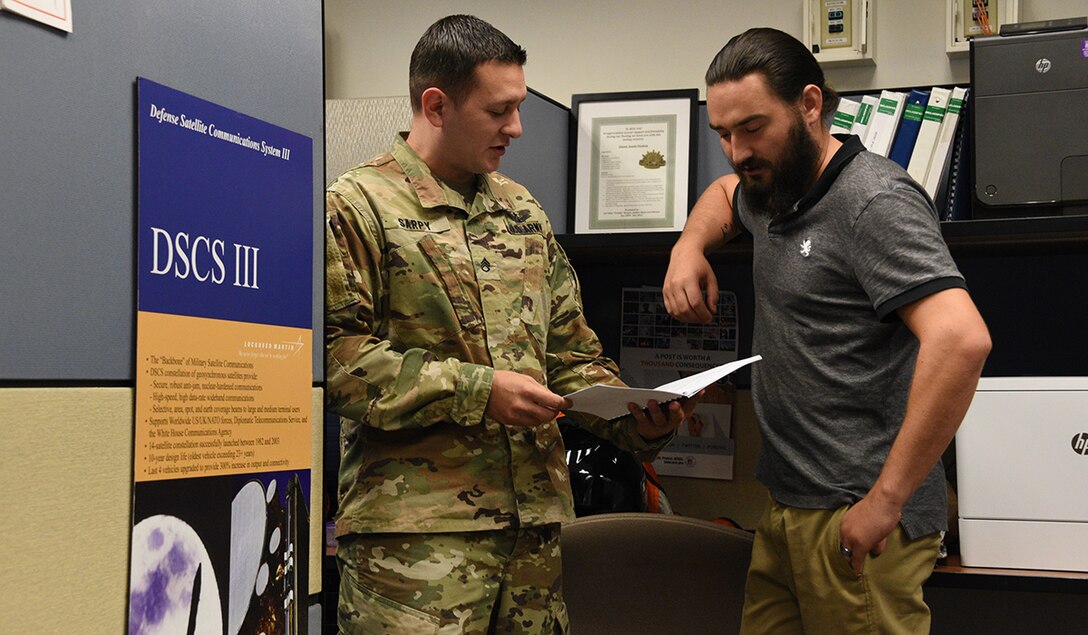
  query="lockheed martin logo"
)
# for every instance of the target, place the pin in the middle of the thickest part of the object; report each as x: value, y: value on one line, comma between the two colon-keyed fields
x: 1080, y: 443
x: 1042, y: 65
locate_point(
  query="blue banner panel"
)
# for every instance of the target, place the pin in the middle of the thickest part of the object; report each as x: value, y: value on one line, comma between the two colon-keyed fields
x: 225, y: 204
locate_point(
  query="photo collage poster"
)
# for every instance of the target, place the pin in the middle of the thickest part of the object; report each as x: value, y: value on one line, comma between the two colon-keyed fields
x: 656, y: 349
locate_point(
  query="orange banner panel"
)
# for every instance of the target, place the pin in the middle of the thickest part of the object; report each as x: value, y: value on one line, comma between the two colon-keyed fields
x: 215, y: 397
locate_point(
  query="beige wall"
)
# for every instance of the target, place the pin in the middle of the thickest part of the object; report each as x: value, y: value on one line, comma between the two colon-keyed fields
x: 625, y: 45
x: 67, y: 508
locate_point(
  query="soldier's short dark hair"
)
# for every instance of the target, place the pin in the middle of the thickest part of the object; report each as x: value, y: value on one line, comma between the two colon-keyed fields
x: 782, y: 60
x: 447, y: 55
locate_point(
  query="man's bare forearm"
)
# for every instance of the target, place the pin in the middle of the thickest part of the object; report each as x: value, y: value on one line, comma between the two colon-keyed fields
x: 710, y: 223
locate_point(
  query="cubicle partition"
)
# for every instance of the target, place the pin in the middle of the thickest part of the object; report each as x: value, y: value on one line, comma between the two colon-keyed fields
x: 68, y: 260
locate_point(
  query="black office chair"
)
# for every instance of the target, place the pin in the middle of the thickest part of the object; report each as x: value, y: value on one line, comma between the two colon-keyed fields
x: 638, y: 573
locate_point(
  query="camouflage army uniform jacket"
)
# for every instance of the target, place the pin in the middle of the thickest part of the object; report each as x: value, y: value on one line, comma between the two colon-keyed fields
x: 425, y: 299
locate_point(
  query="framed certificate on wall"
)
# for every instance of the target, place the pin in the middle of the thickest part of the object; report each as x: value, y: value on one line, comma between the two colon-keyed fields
x: 632, y: 161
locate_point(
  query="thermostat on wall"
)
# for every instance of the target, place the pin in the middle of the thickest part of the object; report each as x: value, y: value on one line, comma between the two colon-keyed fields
x: 840, y: 32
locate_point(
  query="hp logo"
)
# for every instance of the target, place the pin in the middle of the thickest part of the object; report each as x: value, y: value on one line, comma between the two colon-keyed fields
x: 1042, y: 65
x: 1080, y: 443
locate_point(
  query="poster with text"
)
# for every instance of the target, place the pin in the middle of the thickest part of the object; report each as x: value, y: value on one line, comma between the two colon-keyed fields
x: 656, y: 349
x: 223, y: 371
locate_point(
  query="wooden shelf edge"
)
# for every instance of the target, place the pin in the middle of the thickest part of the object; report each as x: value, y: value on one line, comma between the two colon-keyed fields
x: 952, y: 574
x: 1007, y: 235
x: 1016, y: 232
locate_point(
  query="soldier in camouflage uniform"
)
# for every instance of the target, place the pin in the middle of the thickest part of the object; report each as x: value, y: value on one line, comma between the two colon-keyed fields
x: 454, y: 323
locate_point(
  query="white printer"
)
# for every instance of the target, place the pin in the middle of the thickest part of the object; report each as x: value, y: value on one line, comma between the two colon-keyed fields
x: 1022, y: 474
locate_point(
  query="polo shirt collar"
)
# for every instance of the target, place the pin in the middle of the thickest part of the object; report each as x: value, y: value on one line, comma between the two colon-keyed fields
x: 851, y: 147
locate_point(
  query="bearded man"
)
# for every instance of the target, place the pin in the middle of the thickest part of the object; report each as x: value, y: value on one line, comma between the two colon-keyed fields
x: 871, y: 346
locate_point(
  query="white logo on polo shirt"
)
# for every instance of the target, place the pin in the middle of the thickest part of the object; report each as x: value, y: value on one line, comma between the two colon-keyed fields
x: 806, y: 247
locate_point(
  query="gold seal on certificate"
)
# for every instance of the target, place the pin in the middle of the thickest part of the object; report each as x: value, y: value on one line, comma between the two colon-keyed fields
x: 633, y: 161
x: 652, y: 160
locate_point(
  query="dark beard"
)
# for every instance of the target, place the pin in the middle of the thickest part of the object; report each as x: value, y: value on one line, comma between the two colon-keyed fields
x: 789, y: 180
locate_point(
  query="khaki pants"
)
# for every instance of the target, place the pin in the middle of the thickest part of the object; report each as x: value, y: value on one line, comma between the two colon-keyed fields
x: 505, y: 581
x: 798, y: 581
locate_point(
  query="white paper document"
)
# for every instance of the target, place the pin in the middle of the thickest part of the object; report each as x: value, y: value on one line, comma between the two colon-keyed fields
x: 609, y: 402
x: 55, y: 13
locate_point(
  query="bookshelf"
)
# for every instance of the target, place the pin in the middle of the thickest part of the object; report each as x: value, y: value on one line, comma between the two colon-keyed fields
x: 1024, y: 274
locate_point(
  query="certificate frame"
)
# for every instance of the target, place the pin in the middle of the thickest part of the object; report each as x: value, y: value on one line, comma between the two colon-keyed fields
x: 632, y: 161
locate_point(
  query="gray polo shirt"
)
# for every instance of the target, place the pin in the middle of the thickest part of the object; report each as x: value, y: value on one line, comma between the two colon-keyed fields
x: 829, y: 276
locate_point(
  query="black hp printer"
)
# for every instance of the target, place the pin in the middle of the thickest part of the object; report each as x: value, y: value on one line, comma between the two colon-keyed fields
x: 1030, y: 131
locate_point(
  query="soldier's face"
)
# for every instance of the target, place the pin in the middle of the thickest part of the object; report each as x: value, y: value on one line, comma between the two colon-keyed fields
x: 481, y: 125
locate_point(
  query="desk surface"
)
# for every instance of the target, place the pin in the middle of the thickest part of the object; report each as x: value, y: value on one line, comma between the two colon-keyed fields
x: 951, y: 574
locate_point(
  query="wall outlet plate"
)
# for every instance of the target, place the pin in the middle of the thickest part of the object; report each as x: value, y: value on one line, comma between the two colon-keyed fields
x: 965, y: 21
